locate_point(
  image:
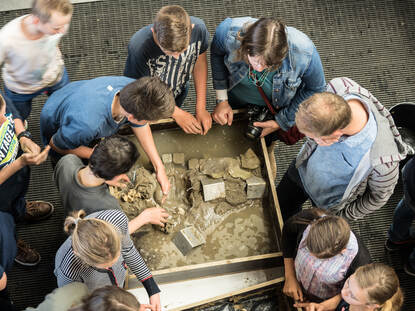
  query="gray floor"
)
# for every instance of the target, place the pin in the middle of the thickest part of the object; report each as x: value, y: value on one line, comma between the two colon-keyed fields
x: 369, y: 41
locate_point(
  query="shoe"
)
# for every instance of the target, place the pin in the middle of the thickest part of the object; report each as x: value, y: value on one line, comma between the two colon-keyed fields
x: 397, y: 246
x: 37, y: 210
x: 272, y: 161
x: 408, y: 269
x: 26, y: 256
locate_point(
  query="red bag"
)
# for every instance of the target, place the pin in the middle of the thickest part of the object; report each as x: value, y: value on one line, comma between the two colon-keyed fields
x: 289, y: 137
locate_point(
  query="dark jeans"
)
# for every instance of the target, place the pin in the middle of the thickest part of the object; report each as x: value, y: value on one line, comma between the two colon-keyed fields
x: 400, y: 229
x: 291, y: 193
x: 5, y: 302
x: 13, y: 191
x: 23, y: 102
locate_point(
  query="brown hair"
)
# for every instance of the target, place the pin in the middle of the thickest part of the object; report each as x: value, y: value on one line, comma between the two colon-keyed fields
x: 267, y: 38
x: 94, y: 241
x: 382, y: 286
x: 113, y: 156
x: 328, y: 236
x: 172, y: 28
x: 322, y: 114
x: 148, y: 98
x: 44, y: 8
x: 108, y: 298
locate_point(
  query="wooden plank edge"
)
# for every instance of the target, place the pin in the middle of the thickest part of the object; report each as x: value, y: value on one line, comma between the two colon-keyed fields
x: 230, y: 294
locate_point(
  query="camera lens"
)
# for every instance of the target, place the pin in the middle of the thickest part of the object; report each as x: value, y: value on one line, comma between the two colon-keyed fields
x: 253, y: 132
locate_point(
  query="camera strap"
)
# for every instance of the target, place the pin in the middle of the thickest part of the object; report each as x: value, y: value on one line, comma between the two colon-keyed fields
x: 264, y: 97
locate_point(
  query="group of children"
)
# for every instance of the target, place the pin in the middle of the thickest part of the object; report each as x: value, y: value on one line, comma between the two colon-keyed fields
x: 348, y: 166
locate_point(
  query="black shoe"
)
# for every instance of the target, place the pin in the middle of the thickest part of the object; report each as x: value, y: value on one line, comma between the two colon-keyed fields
x: 397, y: 246
x: 408, y: 269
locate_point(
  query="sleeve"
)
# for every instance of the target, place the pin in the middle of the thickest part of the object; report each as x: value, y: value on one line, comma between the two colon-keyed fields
x: 313, y: 81
x: 136, y: 64
x: 217, y: 56
x: 204, y: 36
x: 380, y: 185
x: 130, y: 254
x: 68, y: 268
x: 10, y: 108
x: 74, y: 134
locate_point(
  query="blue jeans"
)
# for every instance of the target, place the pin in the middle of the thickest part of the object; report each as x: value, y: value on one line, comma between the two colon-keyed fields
x: 399, y: 230
x: 23, y: 102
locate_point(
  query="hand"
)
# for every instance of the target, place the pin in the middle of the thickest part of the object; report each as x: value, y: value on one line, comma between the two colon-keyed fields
x: 155, y: 302
x: 204, y: 118
x: 155, y: 216
x: 164, y: 182
x: 223, y: 113
x: 267, y: 127
x: 293, y: 289
x: 118, y: 181
x: 34, y: 159
x: 29, y: 145
x: 311, y: 306
x: 187, y: 121
x: 145, y: 307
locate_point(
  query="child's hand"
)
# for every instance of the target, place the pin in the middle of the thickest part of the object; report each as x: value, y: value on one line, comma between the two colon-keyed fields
x: 34, y: 159
x: 155, y: 216
x: 118, y: 181
x: 28, y: 146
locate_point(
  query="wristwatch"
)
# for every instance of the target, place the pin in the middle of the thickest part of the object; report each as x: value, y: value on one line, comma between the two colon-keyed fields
x: 218, y: 101
x: 24, y: 134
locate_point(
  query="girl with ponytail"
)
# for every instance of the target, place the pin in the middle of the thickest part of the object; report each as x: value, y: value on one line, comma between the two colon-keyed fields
x: 98, y: 252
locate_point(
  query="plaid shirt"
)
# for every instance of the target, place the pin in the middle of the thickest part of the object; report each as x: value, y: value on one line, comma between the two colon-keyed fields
x: 323, y: 278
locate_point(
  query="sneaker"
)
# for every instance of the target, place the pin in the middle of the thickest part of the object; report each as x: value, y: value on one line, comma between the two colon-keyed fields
x: 26, y: 256
x: 37, y: 210
x: 408, y: 269
x: 397, y: 246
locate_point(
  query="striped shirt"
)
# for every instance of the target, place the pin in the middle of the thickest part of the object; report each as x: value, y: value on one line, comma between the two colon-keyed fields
x: 70, y: 268
x: 375, y: 179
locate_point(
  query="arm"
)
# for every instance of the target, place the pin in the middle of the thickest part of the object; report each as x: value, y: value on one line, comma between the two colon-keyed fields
x: 20, y: 162
x: 130, y: 254
x: 217, y: 56
x: 291, y: 286
x: 146, y: 140
x: 3, y: 281
x: 380, y: 185
x: 152, y: 215
x: 313, y: 81
x: 200, y: 73
x: 81, y: 151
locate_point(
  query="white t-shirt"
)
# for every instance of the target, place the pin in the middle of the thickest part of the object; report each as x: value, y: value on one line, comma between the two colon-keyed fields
x: 29, y: 65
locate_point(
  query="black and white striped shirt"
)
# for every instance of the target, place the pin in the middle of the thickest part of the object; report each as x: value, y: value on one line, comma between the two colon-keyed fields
x: 70, y: 268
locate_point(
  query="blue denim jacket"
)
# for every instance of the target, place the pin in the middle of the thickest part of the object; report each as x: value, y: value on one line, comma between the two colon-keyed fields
x: 299, y: 76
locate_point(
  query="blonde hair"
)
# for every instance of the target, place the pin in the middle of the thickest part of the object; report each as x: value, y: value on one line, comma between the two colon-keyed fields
x: 328, y: 236
x: 322, y: 114
x: 94, y: 241
x: 44, y: 8
x: 381, y: 284
x: 172, y: 28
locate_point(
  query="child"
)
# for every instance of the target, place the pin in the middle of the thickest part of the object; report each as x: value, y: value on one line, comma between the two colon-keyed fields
x: 29, y: 50
x: 173, y: 49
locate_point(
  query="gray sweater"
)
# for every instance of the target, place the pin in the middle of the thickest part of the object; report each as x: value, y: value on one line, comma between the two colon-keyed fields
x: 76, y: 196
x: 377, y: 174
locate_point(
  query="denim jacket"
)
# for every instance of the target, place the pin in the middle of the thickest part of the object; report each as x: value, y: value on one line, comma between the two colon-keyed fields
x: 299, y: 76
